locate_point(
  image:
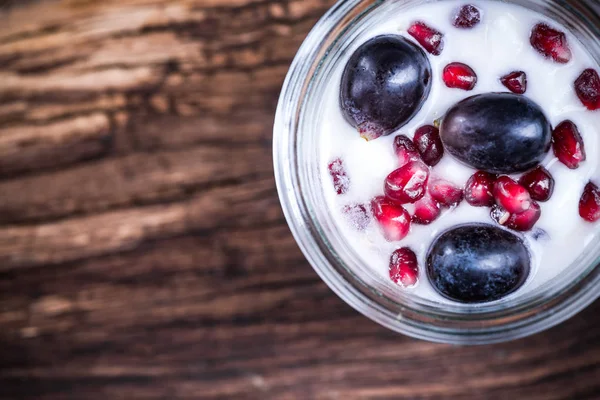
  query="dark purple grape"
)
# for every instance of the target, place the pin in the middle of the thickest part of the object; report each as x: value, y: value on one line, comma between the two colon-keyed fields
x: 477, y: 263
x: 385, y: 83
x: 500, y: 133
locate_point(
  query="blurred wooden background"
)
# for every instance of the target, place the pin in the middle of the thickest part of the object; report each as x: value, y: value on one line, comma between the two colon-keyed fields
x: 143, y: 252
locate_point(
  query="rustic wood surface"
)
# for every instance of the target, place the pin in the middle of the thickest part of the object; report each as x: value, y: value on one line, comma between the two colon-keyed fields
x: 143, y: 253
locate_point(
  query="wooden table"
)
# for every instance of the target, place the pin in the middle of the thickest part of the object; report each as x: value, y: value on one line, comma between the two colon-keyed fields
x: 143, y: 252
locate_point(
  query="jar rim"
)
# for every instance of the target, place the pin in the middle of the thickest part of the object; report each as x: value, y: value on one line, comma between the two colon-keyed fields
x: 546, y: 306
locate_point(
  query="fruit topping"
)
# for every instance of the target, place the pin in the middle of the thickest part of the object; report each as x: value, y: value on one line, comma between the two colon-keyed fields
x: 551, y: 43
x: 477, y: 263
x: 393, y: 219
x: 539, y: 183
x: 429, y: 144
x: 427, y: 210
x: 568, y: 144
x: 384, y: 84
x: 341, y: 181
x: 513, y: 197
x: 459, y: 76
x: 428, y: 37
x: 408, y: 183
x: 521, y: 222
x: 467, y: 17
x: 587, y: 87
x: 358, y: 215
x: 516, y: 82
x: 405, y: 150
x: 479, y: 190
x: 444, y: 192
x: 404, y: 268
x: 589, y: 205
x: 500, y: 133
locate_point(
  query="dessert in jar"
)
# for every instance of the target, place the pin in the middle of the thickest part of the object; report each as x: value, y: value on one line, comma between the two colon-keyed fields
x: 460, y: 150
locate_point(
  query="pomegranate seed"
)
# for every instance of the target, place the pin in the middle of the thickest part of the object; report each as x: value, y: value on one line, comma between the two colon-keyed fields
x: 431, y: 39
x: 358, y: 215
x: 429, y: 144
x: 539, y: 183
x: 568, y: 144
x: 404, y: 268
x: 341, y: 182
x: 405, y: 150
x: 513, y: 197
x: 445, y: 192
x: 408, y: 183
x: 516, y: 82
x: 550, y: 43
x: 467, y: 17
x: 427, y: 210
x: 393, y: 219
x: 587, y: 87
x: 479, y: 190
x: 589, y: 205
x: 522, y: 222
x: 459, y: 76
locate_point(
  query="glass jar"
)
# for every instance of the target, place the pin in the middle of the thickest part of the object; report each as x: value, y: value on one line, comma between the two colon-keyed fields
x: 297, y: 173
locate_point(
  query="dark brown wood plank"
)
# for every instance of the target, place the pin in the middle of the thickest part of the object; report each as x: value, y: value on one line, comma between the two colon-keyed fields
x: 143, y: 252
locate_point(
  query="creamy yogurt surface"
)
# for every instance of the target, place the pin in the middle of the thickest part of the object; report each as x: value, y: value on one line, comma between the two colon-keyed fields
x: 498, y: 45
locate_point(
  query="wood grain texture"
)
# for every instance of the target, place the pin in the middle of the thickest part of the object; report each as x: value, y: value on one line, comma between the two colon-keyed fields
x: 143, y: 252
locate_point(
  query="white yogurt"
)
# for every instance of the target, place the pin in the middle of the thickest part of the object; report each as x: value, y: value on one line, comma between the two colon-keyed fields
x: 496, y: 46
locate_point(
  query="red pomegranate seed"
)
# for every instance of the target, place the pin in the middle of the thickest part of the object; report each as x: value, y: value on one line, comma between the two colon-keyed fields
x: 405, y: 150
x: 408, y: 183
x: 587, y: 87
x: 445, y: 192
x: 551, y: 43
x: 393, y: 219
x: 459, y: 76
x: 431, y: 39
x: 467, y: 17
x: 516, y: 82
x: 427, y: 210
x: 479, y: 190
x: 513, y: 197
x: 589, y: 205
x: 429, y: 144
x: 539, y: 183
x: 358, y: 215
x: 522, y: 222
x: 341, y: 181
x: 568, y: 144
x: 404, y: 267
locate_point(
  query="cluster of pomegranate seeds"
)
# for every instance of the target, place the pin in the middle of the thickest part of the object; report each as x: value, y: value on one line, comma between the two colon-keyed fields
x: 431, y: 39
x: 467, y: 17
x: 539, y: 183
x: 405, y: 150
x: 589, y: 205
x: 551, y: 43
x: 513, y: 197
x: 516, y: 82
x: 429, y: 144
x: 459, y: 76
x: 341, y: 181
x: 568, y: 144
x: 427, y: 210
x: 358, y: 215
x: 587, y: 87
x: 393, y: 219
x: 479, y: 190
x: 404, y: 268
x: 408, y: 183
x: 445, y: 193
